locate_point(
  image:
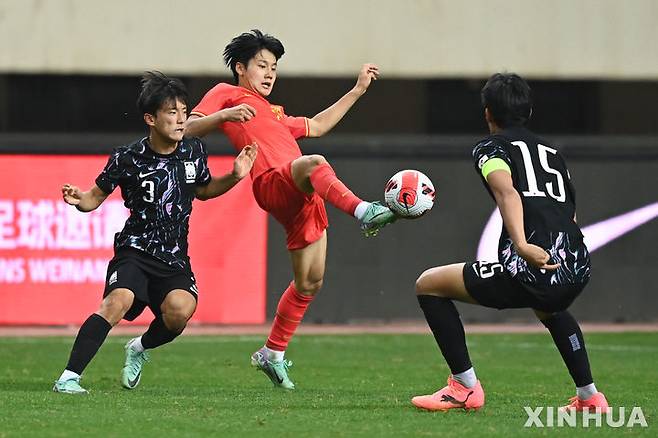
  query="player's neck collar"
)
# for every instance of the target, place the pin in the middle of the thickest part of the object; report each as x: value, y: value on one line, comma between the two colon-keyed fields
x: 253, y: 93
x: 148, y: 146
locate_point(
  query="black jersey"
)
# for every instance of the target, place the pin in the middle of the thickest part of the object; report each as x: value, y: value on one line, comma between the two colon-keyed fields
x: 541, y: 178
x: 158, y: 190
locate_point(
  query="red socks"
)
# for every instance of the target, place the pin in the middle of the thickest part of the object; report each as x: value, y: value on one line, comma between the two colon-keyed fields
x: 289, y: 313
x: 332, y: 190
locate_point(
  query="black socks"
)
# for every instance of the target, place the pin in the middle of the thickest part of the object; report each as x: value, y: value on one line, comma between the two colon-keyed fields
x: 157, y: 334
x: 443, y: 319
x: 569, y: 340
x: 91, y: 336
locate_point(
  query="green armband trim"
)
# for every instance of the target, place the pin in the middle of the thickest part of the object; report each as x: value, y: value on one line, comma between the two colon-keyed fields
x: 495, y: 164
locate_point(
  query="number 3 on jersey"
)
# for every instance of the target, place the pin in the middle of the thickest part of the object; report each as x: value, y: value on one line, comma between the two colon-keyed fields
x: 531, y: 176
x: 150, y: 191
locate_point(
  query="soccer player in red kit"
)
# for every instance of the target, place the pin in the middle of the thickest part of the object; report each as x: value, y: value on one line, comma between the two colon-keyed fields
x: 289, y: 185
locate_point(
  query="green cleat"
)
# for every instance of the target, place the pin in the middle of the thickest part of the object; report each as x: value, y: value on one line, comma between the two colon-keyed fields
x: 276, y: 371
x: 70, y: 386
x: 376, y: 217
x: 132, y: 368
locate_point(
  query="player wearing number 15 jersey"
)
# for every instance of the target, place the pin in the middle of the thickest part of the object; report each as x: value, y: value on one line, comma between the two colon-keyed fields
x: 543, y: 262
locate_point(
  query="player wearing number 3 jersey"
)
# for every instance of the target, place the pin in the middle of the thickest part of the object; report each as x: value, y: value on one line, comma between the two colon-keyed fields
x: 543, y: 263
x: 159, y: 177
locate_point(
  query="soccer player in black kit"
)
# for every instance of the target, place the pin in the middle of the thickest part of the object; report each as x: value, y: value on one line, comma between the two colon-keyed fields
x: 159, y: 175
x: 543, y: 263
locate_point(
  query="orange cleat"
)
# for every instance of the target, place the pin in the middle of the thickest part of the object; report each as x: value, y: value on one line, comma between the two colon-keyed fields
x: 453, y: 396
x: 597, y: 401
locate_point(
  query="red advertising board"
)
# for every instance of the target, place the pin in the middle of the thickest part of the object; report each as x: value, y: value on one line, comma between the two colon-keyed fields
x: 53, y: 259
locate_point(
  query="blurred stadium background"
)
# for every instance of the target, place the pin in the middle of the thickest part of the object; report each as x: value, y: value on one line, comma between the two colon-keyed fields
x: 69, y: 75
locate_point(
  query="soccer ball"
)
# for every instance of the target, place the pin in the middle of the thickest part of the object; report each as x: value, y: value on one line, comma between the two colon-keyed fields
x: 409, y: 193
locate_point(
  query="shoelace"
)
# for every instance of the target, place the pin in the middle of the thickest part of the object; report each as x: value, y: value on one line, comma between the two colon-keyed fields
x: 574, y: 401
x: 372, y: 229
x: 75, y: 380
x: 285, y: 364
x: 140, y: 359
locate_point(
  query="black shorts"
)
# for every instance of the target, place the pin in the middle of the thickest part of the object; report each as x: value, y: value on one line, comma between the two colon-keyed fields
x: 492, y: 286
x: 148, y: 278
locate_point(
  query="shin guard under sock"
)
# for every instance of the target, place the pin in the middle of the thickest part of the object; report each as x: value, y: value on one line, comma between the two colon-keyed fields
x: 443, y: 319
x: 90, y: 337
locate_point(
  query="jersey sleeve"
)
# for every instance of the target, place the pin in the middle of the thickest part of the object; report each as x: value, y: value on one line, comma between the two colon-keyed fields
x: 203, y: 174
x: 213, y: 101
x: 298, y: 126
x: 490, y: 155
x: 108, y: 179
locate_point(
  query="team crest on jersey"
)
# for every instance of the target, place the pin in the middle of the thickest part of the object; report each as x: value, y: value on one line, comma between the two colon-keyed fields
x: 278, y: 111
x: 190, y: 172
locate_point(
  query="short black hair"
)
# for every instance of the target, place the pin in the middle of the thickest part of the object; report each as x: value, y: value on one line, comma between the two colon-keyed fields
x: 246, y: 45
x: 509, y: 99
x: 157, y: 90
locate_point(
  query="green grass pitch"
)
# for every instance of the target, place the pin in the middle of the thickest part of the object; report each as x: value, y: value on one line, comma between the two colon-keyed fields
x: 347, y: 385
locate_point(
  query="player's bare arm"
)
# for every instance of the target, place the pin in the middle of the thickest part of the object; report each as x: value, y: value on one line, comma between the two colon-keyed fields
x: 241, y: 167
x: 324, y: 122
x: 511, y: 209
x: 200, y: 126
x: 83, y: 201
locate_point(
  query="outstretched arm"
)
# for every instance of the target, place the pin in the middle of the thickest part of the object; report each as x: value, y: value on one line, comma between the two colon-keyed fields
x: 511, y: 209
x: 241, y: 167
x: 83, y: 201
x: 327, y: 119
x: 200, y: 126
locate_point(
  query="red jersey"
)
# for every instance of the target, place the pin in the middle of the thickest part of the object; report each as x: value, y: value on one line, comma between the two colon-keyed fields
x: 273, y: 131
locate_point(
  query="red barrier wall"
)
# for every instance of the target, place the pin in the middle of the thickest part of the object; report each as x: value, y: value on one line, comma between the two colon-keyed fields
x: 53, y: 258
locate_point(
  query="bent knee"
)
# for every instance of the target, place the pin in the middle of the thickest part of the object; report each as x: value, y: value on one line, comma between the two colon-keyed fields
x: 179, y: 313
x: 114, y: 307
x: 423, y: 284
x: 175, y: 323
x: 309, y: 287
x: 176, y: 319
x: 316, y: 160
x: 179, y: 306
x: 433, y: 282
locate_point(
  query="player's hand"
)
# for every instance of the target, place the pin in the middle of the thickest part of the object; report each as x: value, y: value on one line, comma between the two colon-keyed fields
x: 245, y: 161
x: 368, y: 73
x: 535, y: 256
x: 239, y: 113
x: 71, y: 194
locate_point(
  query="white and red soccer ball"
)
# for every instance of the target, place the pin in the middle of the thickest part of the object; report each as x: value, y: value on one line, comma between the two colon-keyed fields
x: 409, y: 193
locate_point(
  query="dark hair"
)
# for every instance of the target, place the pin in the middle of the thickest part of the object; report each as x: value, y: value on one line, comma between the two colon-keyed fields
x: 245, y: 46
x: 509, y: 99
x: 157, y: 90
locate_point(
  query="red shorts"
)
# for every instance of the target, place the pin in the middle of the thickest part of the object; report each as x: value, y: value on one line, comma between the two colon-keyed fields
x: 302, y: 215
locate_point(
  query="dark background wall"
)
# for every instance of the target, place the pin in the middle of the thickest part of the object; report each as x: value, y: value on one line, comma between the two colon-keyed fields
x: 374, y: 278
x: 85, y: 103
x: 606, y: 130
